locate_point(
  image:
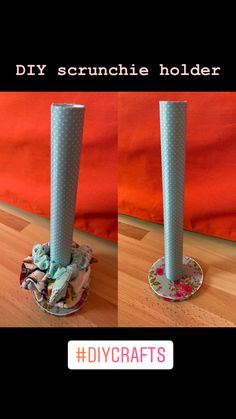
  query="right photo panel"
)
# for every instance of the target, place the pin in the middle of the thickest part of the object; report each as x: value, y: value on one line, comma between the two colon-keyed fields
x: 176, y: 204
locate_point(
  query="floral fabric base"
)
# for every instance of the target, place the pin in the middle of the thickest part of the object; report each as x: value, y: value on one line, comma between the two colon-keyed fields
x: 180, y: 289
x: 56, y: 289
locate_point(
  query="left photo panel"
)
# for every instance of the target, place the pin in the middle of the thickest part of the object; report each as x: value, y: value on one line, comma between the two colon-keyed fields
x: 58, y: 209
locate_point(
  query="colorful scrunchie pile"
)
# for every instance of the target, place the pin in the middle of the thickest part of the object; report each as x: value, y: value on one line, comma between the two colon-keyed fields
x: 56, y: 285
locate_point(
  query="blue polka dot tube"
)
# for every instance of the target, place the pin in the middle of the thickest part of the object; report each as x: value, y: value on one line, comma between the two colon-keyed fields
x: 58, y: 272
x: 66, y: 140
x: 173, y: 138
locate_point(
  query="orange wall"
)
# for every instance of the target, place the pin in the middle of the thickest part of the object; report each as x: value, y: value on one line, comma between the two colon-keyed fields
x: 210, y: 185
x: 25, y: 156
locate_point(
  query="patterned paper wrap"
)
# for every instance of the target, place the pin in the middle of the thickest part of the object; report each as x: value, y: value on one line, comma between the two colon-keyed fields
x: 173, y: 138
x: 66, y: 141
x: 58, y: 273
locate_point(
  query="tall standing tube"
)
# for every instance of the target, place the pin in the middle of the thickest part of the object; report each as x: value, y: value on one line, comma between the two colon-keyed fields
x: 173, y: 138
x: 174, y: 277
x: 66, y: 140
x: 58, y: 273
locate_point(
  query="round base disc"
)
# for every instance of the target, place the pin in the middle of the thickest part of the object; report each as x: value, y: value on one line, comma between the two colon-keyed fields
x: 180, y: 289
x: 58, y: 311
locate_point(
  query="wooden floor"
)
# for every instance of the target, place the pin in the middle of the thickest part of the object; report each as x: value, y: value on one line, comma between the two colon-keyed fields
x: 140, y: 244
x: 19, y: 230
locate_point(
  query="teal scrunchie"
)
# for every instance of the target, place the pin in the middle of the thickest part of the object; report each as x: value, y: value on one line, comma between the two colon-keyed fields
x: 58, y: 274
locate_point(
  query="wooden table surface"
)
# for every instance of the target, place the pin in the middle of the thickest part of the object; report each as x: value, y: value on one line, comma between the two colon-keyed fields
x: 19, y: 230
x: 140, y: 244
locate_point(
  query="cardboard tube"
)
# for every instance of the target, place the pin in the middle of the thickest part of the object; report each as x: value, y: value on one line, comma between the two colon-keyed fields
x: 173, y: 138
x: 66, y: 140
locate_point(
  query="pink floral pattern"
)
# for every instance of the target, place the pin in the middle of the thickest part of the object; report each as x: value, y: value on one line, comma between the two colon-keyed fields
x: 182, y: 288
x: 160, y: 271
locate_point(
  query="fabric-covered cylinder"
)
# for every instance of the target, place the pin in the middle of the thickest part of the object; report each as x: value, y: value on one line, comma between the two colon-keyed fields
x: 173, y: 139
x: 66, y: 140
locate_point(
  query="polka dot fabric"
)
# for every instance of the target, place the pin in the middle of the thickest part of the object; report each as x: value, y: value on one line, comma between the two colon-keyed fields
x: 66, y: 139
x: 173, y: 132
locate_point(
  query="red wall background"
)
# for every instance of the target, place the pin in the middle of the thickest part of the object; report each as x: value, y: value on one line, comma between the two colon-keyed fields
x: 25, y: 156
x: 210, y: 182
